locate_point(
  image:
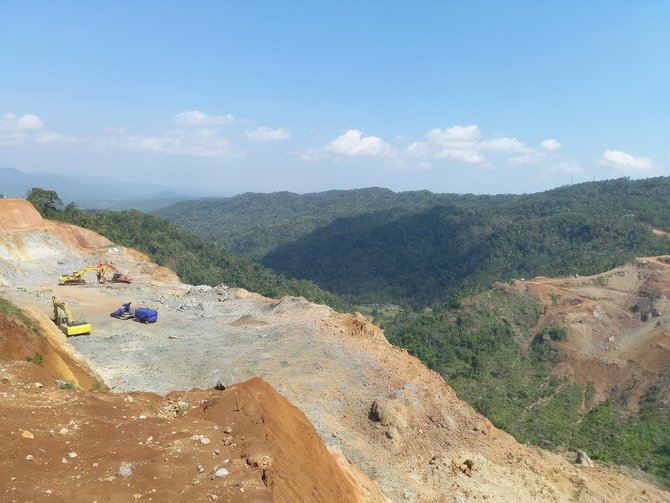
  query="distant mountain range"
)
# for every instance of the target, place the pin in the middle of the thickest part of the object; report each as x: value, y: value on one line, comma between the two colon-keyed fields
x: 91, y: 193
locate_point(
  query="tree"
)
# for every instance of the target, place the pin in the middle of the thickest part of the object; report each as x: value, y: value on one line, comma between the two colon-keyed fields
x: 47, y: 202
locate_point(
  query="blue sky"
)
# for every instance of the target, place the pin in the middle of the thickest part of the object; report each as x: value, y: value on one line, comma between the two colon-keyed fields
x: 227, y: 97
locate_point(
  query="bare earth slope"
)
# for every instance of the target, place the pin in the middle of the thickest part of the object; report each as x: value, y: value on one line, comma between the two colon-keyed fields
x: 381, y: 408
x: 621, y: 351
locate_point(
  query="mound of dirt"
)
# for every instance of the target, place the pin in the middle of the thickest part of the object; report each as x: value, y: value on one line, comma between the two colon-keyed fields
x: 245, y: 443
x: 17, y: 215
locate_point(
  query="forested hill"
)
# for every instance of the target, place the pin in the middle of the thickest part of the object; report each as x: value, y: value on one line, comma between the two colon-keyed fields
x: 253, y: 225
x: 420, y: 247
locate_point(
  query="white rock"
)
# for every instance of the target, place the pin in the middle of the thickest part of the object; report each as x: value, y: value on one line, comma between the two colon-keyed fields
x: 221, y: 472
x: 125, y: 470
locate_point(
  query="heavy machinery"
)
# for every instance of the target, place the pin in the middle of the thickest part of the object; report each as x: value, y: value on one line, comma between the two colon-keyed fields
x: 63, y: 318
x: 77, y: 277
x: 117, y: 277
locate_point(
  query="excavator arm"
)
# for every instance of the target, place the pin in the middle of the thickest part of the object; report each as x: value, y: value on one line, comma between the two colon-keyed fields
x: 77, y: 277
x: 117, y: 277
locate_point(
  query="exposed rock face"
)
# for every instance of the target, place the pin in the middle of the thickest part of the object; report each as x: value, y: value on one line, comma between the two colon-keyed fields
x: 584, y: 459
x: 608, y: 343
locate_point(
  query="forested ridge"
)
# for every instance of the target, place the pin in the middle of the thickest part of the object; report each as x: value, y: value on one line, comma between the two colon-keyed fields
x: 254, y: 224
x: 418, y: 248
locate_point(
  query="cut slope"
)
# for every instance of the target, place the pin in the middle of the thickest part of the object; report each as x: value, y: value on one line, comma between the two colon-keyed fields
x: 18, y: 214
x: 611, y: 343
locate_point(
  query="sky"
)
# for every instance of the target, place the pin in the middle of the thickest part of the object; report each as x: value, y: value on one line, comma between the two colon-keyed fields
x: 223, y: 97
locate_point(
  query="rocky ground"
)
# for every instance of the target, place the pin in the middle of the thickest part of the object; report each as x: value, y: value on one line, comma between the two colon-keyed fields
x: 375, y: 405
x: 610, y: 343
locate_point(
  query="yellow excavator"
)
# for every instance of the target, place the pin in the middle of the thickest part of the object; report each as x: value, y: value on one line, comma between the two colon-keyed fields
x: 63, y: 318
x: 77, y: 277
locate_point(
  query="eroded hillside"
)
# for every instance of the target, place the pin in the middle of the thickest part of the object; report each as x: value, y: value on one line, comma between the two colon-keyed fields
x: 617, y: 326
x: 390, y: 416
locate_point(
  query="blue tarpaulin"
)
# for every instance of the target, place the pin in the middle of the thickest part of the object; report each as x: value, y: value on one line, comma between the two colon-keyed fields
x: 146, y: 315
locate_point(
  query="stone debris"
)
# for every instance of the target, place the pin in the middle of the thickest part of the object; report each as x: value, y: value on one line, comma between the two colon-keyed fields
x: 221, y: 472
x: 125, y: 470
x: 583, y: 459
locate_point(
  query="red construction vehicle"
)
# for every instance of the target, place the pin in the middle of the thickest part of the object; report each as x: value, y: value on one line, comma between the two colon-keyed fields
x: 116, y: 277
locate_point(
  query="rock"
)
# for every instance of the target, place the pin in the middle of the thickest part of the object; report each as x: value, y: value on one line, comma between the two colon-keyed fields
x: 263, y: 461
x: 227, y: 441
x: 38, y: 385
x: 221, y: 472
x: 72, y: 455
x: 64, y: 431
x: 30, y: 457
x: 200, y: 468
x: 583, y: 459
x: 227, y: 429
x: 204, y: 440
x: 125, y: 470
x: 27, y: 434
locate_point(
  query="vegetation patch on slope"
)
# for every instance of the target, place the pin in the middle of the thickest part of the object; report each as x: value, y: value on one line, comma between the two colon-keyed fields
x: 486, y: 348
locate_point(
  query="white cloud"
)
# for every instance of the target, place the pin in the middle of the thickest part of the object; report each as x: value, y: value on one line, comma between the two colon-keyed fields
x: 453, y: 134
x: 16, y: 130
x: 528, y: 158
x: 418, y: 149
x: 195, y: 118
x: 353, y: 143
x: 196, y: 143
x: 623, y: 161
x: 11, y: 123
x: 505, y: 144
x: 268, y: 134
x: 454, y: 154
x: 550, y: 145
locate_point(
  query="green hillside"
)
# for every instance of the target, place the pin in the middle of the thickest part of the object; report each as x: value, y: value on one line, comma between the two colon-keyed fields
x: 423, y: 257
x: 376, y: 246
x: 253, y: 225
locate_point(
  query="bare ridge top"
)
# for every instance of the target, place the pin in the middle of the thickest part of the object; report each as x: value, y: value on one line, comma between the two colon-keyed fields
x: 18, y: 214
